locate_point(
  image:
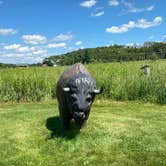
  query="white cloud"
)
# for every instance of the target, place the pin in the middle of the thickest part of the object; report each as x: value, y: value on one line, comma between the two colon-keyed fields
x: 142, y: 24
x: 10, y: 55
x: 23, y: 54
x: 99, y: 11
x: 78, y: 43
x: 40, y: 52
x: 97, y: 14
x: 57, y: 45
x: 37, y: 59
x: 34, y: 48
x: 150, y: 8
x: 23, y: 49
x: 15, y: 58
x: 88, y: 3
x: 34, y: 39
x: 113, y: 3
x: 12, y: 47
x: 8, y: 31
x: 63, y: 37
x: 17, y: 53
x: 130, y: 8
x: 121, y: 29
x: 17, y: 48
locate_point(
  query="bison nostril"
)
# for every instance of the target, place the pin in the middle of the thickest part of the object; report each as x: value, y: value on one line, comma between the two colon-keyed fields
x: 82, y: 116
x: 79, y: 115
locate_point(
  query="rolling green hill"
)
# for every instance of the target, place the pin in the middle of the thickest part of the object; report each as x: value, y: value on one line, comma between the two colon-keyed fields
x: 115, y: 53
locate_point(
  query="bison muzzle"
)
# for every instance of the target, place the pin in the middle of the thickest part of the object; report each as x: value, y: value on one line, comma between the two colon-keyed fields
x: 76, y: 90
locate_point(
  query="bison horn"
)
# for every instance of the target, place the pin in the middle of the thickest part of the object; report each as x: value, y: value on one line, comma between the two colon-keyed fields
x: 98, y: 91
x: 66, y: 89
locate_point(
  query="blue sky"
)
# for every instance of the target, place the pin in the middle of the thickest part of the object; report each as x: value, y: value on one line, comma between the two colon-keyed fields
x: 31, y: 30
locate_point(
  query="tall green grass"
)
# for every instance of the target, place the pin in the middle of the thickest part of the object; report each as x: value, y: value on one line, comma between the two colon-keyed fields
x: 121, y: 81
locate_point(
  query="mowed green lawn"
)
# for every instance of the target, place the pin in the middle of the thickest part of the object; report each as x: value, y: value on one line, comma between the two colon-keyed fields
x: 117, y: 133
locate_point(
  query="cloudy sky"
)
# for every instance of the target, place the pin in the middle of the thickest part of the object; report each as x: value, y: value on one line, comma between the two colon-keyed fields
x: 31, y: 30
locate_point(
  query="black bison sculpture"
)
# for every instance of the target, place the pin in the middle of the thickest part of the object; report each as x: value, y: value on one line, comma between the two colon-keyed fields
x: 76, y: 90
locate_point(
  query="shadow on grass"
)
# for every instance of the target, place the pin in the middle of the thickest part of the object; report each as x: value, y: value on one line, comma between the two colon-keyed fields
x: 54, y: 125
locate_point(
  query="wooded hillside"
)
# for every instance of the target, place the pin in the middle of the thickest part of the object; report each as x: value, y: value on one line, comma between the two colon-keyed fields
x: 115, y: 53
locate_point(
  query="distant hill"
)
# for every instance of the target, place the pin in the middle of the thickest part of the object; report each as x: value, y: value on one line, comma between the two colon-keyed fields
x: 3, y: 65
x: 115, y: 53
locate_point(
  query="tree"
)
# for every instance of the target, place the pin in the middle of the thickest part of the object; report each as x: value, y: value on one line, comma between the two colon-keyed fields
x: 154, y: 56
x: 86, y: 58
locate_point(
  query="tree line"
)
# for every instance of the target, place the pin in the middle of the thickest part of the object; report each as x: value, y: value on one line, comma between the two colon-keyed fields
x: 115, y: 53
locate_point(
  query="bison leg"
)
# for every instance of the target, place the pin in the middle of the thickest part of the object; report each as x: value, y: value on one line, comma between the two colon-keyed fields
x: 65, y: 122
x: 65, y: 118
x: 83, y: 124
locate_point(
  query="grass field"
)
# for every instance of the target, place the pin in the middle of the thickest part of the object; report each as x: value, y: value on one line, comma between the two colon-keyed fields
x: 117, y: 134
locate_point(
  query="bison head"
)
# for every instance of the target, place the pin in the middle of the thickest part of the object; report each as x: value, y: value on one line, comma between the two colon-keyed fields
x: 80, y: 93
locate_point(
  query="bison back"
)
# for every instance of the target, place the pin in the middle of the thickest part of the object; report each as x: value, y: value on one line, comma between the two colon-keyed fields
x: 71, y: 71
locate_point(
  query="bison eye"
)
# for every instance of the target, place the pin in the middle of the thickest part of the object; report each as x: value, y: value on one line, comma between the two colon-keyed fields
x: 89, y: 99
x: 73, y: 98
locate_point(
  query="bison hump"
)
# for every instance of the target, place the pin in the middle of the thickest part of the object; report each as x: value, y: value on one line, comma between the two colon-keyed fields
x: 70, y: 72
